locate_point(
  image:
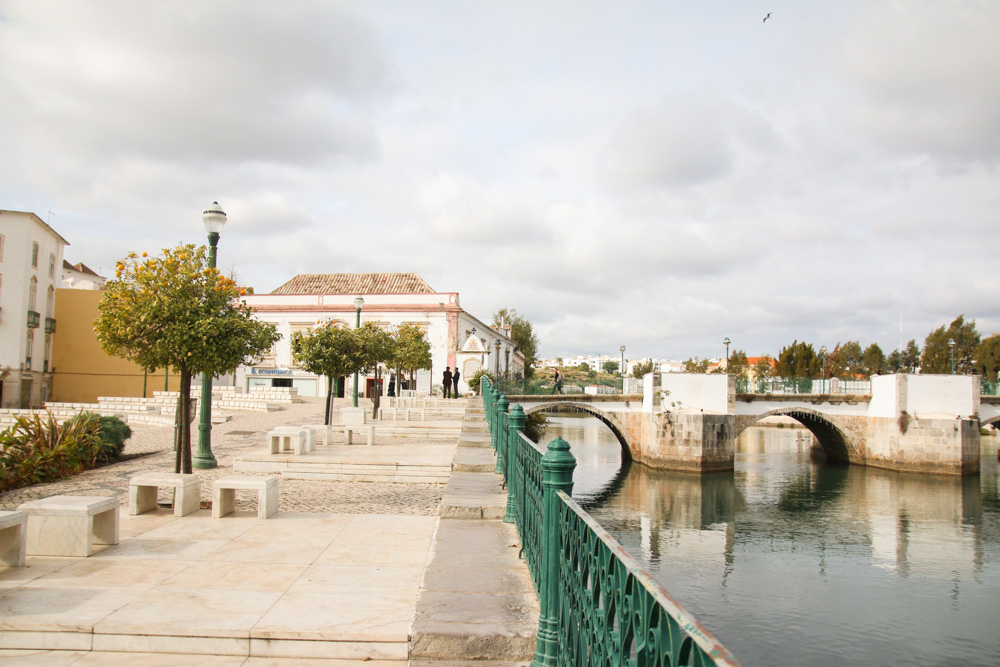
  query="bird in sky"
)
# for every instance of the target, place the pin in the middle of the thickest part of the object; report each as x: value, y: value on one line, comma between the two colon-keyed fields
x: 767, y: 17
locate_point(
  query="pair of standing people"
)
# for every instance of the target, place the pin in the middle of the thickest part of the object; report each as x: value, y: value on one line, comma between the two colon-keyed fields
x: 450, y: 380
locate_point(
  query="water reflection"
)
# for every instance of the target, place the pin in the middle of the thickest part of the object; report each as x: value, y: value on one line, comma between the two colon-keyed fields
x: 790, y: 562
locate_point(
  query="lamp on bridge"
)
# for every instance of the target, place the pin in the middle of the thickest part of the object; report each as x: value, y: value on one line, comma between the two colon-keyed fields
x: 214, y: 219
x: 725, y: 341
x: 358, y: 302
x: 623, y: 368
x: 951, y: 343
x: 822, y: 352
x: 496, y: 371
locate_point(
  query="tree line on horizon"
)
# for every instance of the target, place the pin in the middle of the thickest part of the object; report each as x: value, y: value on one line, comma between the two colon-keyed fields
x: 848, y: 361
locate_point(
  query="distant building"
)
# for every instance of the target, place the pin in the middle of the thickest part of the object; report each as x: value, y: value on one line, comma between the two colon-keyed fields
x: 30, y: 254
x: 457, y: 338
x: 81, y: 276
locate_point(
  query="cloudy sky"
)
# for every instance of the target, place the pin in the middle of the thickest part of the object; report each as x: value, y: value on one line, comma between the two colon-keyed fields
x: 654, y: 174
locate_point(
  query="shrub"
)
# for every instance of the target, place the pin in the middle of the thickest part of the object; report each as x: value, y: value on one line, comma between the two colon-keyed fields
x: 112, y: 433
x: 36, y: 450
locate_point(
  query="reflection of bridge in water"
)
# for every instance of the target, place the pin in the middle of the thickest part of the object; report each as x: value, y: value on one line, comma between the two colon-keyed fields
x: 920, y: 423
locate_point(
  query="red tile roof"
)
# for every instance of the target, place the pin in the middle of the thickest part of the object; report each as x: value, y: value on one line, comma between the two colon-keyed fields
x: 355, y: 283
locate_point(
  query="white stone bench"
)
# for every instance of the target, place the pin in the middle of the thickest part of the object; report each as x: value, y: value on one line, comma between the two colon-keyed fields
x: 12, y: 542
x: 382, y: 412
x: 142, y: 492
x: 224, y: 494
x: 70, y: 525
x: 295, y: 439
x: 421, y: 411
x: 320, y: 430
x: 349, y: 429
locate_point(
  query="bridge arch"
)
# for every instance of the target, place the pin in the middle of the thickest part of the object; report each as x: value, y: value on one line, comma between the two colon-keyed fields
x: 835, y: 441
x: 621, y: 434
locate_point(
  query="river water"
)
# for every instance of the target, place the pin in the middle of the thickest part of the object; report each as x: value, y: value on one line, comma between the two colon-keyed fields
x: 792, y: 563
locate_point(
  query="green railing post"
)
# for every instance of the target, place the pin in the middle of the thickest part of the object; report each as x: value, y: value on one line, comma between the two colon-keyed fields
x: 502, y: 407
x: 557, y: 475
x: 515, y: 427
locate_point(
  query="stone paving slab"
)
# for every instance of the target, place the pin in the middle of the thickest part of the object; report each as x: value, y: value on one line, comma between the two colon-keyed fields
x: 474, y: 495
x: 474, y: 459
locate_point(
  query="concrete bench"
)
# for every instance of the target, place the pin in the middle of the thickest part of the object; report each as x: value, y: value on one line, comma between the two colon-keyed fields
x: 142, y: 492
x: 320, y: 430
x: 70, y: 525
x: 12, y: 543
x: 382, y: 412
x: 420, y: 411
x: 295, y: 439
x: 349, y: 429
x: 224, y: 494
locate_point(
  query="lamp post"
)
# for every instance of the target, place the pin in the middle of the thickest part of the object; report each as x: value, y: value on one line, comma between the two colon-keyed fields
x: 214, y: 219
x: 951, y: 343
x: 496, y: 370
x: 358, y: 302
x: 622, y: 349
x: 725, y: 341
x: 822, y: 352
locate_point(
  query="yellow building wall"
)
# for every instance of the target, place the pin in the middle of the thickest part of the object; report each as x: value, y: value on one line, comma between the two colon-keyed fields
x: 82, y: 370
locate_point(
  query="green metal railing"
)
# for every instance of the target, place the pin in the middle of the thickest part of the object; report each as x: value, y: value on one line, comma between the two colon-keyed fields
x: 597, y: 605
x: 989, y: 388
x: 802, y: 386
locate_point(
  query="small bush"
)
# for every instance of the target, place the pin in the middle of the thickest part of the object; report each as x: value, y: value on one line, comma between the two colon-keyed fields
x: 36, y: 450
x: 112, y: 433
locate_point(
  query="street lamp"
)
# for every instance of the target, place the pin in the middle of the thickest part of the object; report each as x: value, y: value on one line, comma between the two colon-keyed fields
x: 358, y: 302
x: 725, y: 341
x: 623, y: 368
x: 951, y: 342
x: 497, y: 364
x: 214, y: 219
x: 822, y: 352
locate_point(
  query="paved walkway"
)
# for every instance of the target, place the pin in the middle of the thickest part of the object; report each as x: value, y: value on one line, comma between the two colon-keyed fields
x: 347, y: 572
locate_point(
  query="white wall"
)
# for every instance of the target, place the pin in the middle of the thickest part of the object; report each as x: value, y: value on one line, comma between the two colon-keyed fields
x: 708, y: 392
x: 951, y: 395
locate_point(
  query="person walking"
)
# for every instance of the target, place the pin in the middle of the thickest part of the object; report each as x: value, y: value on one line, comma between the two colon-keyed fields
x: 446, y: 382
x: 557, y: 383
x: 454, y: 379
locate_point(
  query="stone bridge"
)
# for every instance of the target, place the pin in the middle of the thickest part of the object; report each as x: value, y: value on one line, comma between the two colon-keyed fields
x: 919, y: 423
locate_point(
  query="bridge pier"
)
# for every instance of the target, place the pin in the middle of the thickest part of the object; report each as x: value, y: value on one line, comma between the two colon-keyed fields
x: 690, y: 442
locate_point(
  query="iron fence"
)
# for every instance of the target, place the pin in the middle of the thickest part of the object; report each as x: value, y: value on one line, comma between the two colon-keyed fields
x: 598, y: 605
x: 802, y: 386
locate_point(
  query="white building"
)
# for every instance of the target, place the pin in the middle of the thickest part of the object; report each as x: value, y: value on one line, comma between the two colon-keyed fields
x: 81, y: 276
x: 31, y: 258
x: 457, y: 339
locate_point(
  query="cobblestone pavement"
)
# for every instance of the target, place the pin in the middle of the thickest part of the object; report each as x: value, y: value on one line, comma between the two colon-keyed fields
x: 243, y: 434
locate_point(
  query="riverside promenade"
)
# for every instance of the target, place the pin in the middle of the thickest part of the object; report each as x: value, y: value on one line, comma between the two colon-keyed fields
x: 347, y: 573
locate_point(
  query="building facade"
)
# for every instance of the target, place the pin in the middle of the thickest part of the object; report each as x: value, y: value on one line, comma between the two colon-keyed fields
x: 31, y: 259
x: 390, y: 300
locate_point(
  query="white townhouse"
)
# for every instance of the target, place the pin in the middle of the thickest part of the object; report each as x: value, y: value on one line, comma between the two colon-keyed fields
x: 457, y: 339
x: 31, y: 261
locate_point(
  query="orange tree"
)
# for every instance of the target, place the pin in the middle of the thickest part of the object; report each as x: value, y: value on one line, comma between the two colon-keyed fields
x: 410, y: 352
x: 328, y: 349
x: 174, y: 311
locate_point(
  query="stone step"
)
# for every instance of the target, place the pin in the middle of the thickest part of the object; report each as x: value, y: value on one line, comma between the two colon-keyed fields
x: 473, y: 495
x: 474, y: 459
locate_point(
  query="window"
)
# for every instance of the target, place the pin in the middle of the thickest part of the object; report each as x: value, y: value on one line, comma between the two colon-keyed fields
x: 27, y: 352
x: 47, y: 361
x: 50, y: 302
x: 34, y: 255
x: 52, y: 266
x: 32, y: 293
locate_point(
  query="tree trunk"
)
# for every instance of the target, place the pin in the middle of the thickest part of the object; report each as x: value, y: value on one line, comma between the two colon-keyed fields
x: 329, y: 400
x: 376, y: 398
x: 178, y: 421
x: 186, y: 424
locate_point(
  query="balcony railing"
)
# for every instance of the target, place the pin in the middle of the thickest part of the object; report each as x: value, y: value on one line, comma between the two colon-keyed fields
x: 50, y: 325
x: 34, y: 319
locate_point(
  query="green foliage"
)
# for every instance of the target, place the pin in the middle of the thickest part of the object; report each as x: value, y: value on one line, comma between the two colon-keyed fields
x: 642, y: 369
x: 412, y: 351
x: 988, y: 358
x: 873, y: 360
x: 36, y: 450
x: 739, y: 366
x: 175, y: 311
x: 696, y: 365
x: 905, y: 361
x: 112, y: 433
x: 610, y: 367
x: 478, y: 377
x: 937, y: 349
x: 798, y: 360
x: 763, y: 368
x: 585, y: 367
x: 535, y: 424
x: 330, y: 349
x: 846, y: 361
x: 523, y: 335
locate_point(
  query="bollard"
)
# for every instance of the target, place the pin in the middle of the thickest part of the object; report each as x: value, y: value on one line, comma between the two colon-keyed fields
x: 557, y: 475
x: 515, y: 427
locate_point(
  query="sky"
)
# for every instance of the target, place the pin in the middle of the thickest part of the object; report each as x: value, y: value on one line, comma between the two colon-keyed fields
x: 659, y: 175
